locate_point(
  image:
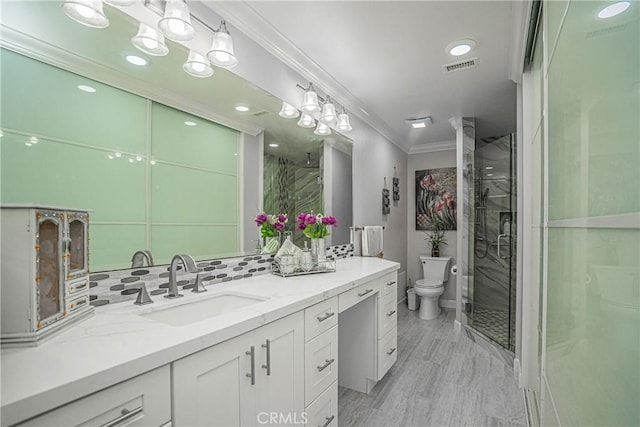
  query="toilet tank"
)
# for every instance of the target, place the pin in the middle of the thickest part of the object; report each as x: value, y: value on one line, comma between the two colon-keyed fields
x: 435, y: 268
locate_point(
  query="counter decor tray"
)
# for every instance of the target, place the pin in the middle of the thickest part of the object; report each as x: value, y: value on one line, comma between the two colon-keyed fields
x: 328, y: 266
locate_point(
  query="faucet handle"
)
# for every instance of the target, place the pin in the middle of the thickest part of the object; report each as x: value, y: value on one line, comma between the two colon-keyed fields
x: 143, y: 295
x: 199, y: 285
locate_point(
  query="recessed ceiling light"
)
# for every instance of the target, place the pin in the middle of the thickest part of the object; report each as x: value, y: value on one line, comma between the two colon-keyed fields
x: 614, y: 9
x: 418, y: 122
x: 190, y: 123
x: 273, y: 145
x: 136, y: 60
x: 242, y: 108
x: 86, y: 88
x: 461, y: 47
x: 489, y: 168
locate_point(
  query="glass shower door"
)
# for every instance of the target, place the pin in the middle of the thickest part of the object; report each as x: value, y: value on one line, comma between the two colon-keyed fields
x: 493, y: 297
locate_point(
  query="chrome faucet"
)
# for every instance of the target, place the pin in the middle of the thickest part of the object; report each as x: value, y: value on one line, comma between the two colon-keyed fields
x: 189, y: 266
x: 138, y: 258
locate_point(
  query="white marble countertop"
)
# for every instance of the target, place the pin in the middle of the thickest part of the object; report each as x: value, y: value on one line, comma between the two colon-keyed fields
x: 117, y: 343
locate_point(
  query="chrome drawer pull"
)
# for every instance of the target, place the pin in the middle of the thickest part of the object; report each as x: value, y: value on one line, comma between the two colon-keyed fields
x: 390, y: 352
x: 329, y: 419
x: 268, y: 365
x: 125, y: 415
x: 325, y: 317
x: 365, y: 292
x: 326, y: 365
x: 391, y: 283
x: 391, y: 313
x: 252, y: 375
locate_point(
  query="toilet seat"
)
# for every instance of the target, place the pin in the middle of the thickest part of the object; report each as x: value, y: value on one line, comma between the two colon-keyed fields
x: 428, y: 284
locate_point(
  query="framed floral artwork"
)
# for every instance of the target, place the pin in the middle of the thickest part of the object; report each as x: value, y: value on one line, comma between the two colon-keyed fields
x: 436, y: 199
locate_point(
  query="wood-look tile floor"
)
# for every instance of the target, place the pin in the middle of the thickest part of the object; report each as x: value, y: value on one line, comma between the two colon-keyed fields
x: 440, y: 379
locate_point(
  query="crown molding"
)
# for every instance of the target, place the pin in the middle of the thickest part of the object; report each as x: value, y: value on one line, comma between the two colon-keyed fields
x: 26, y: 45
x: 432, y: 147
x: 520, y: 12
x: 253, y: 25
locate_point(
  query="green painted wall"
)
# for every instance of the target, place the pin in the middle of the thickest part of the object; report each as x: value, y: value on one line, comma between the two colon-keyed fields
x: 151, y: 181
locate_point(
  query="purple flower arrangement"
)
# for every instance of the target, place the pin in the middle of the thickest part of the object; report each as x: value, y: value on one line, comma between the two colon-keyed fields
x: 315, y: 226
x: 270, y: 225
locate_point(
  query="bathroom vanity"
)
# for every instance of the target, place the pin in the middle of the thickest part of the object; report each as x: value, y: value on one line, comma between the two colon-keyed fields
x: 275, y: 355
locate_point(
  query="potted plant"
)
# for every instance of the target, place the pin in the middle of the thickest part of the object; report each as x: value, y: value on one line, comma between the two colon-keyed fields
x: 316, y: 228
x: 437, y: 239
x: 270, y: 228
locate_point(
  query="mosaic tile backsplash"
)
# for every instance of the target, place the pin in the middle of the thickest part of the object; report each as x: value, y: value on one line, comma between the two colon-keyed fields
x: 112, y: 287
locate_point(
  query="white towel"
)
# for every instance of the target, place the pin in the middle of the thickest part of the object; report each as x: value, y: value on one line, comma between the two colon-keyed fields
x: 372, y: 241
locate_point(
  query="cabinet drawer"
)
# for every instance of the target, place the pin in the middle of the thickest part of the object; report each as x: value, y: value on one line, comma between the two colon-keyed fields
x: 387, y: 352
x: 320, y: 318
x: 143, y: 400
x: 77, y: 286
x: 352, y: 297
x: 76, y: 303
x: 323, y: 412
x: 389, y: 284
x: 321, y: 363
x: 387, y: 314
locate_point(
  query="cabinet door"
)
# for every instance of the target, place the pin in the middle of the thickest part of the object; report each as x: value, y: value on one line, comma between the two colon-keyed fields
x: 280, y: 365
x: 50, y: 253
x: 141, y: 401
x: 214, y: 386
x: 77, y: 251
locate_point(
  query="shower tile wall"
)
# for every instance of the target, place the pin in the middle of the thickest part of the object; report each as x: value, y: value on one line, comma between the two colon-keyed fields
x: 291, y: 189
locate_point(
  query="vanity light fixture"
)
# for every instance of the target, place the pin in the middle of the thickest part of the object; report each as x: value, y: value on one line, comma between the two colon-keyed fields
x: 86, y: 88
x: 613, y: 9
x: 310, y: 103
x: 306, y: 121
x: 328, y: 115
x: 343, y: 122
x: 176, y: 24
x: 221, y: 52
x: 242, y: 108
x: 149, y: 41
x: 461, y: 47
x: 136, y: 60
x: 322, y: 129
x: 288, y: 111
x: 86, y: 12
x: 197, y: 65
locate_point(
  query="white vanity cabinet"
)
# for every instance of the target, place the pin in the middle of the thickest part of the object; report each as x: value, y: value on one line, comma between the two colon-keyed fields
x: 241, y: 381
x: 144, y: 400
x: 387, y: 353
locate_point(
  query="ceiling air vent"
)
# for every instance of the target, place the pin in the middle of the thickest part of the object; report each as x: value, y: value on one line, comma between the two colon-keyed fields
x: 460, y: 65
x: 259, y: 113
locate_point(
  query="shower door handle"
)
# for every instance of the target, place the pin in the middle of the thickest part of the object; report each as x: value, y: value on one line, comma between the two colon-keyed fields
x: 500, y: 237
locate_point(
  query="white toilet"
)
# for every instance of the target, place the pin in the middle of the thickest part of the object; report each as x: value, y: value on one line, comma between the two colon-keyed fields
x: 429, y: 289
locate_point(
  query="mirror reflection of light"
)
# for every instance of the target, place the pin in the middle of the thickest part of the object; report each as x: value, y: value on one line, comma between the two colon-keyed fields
x: 190, y: 123
x: 613, y: 9
x: 34, y: 140
x: 139, y: 158
x: 110, y: 156
x: 86, y: 88
x: 273, y: 145
x: 136, y: 60
x: 131, y: 160
x: 150, y: 43
x: 152, y: 162
x: 28, y: 144
x: 84, y: 11
x: 118, y: 154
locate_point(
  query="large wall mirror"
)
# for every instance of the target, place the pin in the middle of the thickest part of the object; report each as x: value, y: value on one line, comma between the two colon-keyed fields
x: 159, y: 157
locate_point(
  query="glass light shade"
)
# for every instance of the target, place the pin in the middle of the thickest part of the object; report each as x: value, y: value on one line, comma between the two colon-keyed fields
x: 343, y: 123
x: 310, y: 101
x: 221, y: 52
x: 322, y: 129
x: 176, y: 24
x: 120, y: 3
x: 197, y: 65
x: 328, y: 115
x: 86, y: 12
x: 149, y: 41
x: 306, y: 121
x: 288, y: 111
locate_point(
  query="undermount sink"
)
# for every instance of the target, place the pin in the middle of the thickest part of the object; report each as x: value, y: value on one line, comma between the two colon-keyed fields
x: 196, y: 311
